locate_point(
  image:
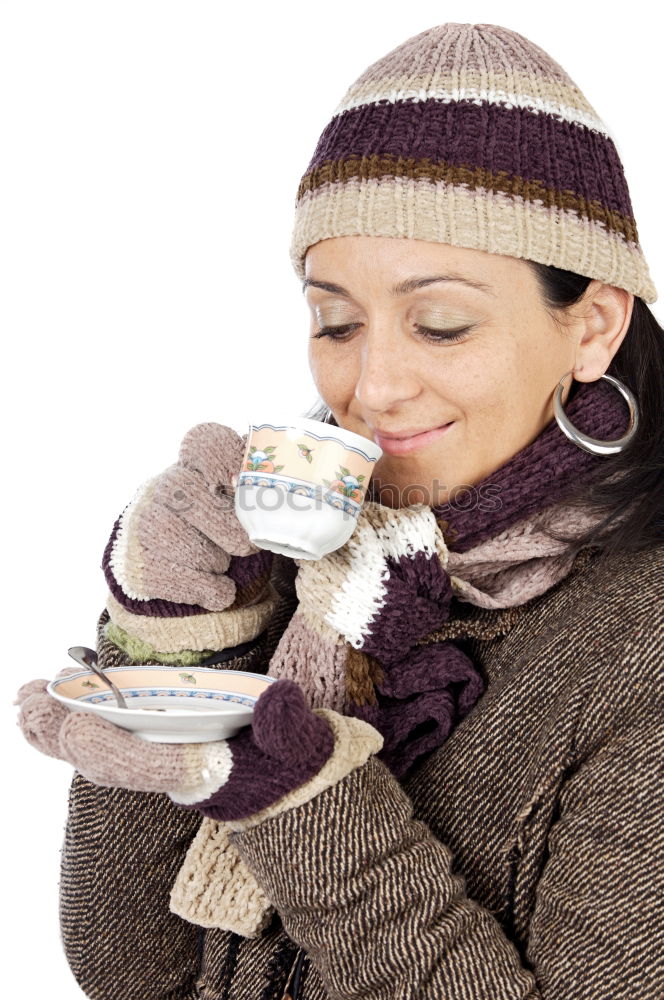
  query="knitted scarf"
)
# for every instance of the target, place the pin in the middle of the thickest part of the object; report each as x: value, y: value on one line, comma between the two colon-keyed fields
x: 363, y: 638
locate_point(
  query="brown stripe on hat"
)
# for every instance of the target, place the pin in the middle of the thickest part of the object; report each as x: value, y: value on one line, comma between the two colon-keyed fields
x: 458, y: 216
x: 386, y: 166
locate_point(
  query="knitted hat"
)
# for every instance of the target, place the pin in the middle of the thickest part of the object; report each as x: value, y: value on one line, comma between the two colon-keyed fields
x: 471, y: 135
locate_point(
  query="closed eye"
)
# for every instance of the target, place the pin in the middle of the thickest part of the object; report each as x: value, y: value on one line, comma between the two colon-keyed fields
x: 339, y: 333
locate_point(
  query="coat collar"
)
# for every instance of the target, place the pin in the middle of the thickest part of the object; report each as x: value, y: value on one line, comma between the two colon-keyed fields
x: 468, y: 621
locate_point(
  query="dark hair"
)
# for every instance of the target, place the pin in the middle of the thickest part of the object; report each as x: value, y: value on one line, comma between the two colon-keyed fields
x: 634, y: 476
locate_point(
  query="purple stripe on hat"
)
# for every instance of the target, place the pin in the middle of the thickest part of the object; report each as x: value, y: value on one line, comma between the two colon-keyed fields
x: 543, y: 473
x: 560, y: 155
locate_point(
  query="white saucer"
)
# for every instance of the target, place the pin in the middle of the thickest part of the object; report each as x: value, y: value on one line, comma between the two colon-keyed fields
x: 167, y: 704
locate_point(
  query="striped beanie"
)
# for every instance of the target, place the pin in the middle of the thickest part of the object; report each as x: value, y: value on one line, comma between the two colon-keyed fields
x: 471, y: 135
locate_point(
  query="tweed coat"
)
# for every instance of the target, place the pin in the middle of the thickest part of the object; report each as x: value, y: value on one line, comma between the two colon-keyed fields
x: 524, y: 858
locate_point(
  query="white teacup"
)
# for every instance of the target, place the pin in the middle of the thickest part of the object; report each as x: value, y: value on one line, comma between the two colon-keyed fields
x: 302, y: 485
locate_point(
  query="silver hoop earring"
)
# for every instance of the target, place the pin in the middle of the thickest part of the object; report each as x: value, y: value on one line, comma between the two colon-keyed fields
x: 584, y: 441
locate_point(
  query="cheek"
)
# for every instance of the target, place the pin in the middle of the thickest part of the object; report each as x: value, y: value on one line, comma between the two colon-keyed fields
x: 495, y: 388
x: 480, y: 379
x: 317, y: 367
x: 334, y: 375
x: 504, y: 393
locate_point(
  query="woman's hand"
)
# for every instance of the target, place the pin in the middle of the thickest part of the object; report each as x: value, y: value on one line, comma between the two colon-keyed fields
x: 175, y: 540
x: 40, y: 716
x: 285, y: 746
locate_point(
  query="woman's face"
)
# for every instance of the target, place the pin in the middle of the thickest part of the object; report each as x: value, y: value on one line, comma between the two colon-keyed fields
x: 489, y: 369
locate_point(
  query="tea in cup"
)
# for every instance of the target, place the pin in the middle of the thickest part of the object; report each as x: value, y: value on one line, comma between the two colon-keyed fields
x: 302, y: 485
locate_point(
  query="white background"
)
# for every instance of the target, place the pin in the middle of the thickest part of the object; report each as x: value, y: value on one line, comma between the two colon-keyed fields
x: 151, y: 152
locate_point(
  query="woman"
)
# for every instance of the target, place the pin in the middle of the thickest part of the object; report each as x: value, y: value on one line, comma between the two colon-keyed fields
x: 472, y: 804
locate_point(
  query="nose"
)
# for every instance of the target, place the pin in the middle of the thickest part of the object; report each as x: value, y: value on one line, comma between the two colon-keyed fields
x: 387, y: 377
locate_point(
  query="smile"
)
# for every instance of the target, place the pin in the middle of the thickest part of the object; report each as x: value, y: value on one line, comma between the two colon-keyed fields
x: 403, y: 446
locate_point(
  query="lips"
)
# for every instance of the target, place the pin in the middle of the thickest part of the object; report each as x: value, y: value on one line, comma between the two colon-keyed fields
x: 401, y: 435
x: 405, y: 445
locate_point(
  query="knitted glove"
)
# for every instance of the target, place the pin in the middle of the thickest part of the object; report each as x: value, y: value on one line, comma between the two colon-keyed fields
x: 284, y: 748
x: 40, y: 716
x: 175, y: 540
x: 186, y: 586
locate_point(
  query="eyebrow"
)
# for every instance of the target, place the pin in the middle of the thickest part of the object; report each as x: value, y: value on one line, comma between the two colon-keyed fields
x: 403, y: 287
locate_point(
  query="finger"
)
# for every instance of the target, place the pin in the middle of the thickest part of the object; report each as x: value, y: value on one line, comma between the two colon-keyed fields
x: 37, y: 686
x: 108, y: 755
x: 68, y: 671
x: 163, y: 527
x: 214, y: 450
x: 286, y: 728
x: 172, y: 582
x: 208, y: 508
x: 39, y: 719
x: 154, y: 560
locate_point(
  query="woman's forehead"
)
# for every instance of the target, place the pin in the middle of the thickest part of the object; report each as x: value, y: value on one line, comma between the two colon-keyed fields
x: 405, y: 265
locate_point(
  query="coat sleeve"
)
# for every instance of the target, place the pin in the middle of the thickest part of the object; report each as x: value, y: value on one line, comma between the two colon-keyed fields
x: 368, y: 890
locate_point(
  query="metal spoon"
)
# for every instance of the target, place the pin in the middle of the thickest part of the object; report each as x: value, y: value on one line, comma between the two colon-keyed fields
x: 88, y: 658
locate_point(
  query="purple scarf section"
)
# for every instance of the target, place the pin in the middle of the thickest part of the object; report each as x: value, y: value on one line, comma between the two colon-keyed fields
x: 427, y: 689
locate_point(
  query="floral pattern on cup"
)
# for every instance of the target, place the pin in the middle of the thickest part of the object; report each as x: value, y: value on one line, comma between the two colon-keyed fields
x: 262, y: 461
x: 314, y: 461
x: 305, y: 452
x: 346, y: 484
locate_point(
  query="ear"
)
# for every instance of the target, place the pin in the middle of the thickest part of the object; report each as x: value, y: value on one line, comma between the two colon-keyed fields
x: 602, y: 317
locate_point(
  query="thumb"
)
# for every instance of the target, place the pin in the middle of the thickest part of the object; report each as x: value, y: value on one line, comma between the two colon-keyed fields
x: 37, y: 686
x: 214, y: 450
x: 286, y: 728
x: 39, y: 719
